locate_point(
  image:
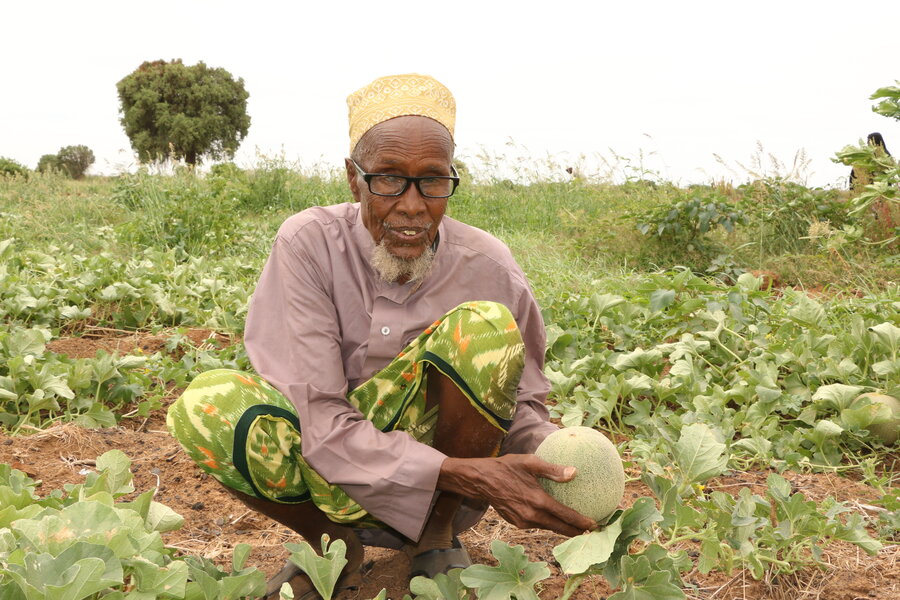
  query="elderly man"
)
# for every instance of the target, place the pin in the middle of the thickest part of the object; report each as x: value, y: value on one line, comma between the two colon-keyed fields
x: 400, y: 360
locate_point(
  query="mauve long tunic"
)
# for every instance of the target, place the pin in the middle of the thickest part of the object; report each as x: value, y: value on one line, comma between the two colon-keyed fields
x: 321, y: 322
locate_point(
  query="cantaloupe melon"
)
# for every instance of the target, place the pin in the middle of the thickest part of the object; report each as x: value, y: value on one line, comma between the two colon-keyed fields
x: 599, y: 485
x: 888, y: 431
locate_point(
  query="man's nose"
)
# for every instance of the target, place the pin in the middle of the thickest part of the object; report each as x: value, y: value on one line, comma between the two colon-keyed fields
x: 411, y: 202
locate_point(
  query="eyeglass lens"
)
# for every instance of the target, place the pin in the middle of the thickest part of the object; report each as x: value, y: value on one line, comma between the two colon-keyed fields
x: 430, y: 186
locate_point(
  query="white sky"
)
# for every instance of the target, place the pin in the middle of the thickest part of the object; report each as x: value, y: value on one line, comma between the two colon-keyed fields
x: 678, y: 81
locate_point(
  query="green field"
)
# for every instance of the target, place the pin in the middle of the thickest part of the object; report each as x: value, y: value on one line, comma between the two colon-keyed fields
x: 711, y: 331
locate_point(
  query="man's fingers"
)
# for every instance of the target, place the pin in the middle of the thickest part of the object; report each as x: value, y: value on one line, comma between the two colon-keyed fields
x: 552, y: 514
x: 558, y: 473
x: 574, y: 519
x: 557, y: 521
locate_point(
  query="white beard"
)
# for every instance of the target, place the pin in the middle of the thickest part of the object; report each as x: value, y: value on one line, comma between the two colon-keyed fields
x: 391, y: 268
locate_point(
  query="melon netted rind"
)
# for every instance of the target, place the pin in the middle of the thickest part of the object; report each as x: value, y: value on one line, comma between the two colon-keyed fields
x: 889, y: 431
x: 600, y: 483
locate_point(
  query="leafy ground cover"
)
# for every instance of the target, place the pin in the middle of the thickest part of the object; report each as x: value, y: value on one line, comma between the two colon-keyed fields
x: 723, y: 337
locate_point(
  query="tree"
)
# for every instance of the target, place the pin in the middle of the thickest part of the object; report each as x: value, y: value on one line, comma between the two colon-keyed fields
x: 48, y: 163
x: 170, y: 110
x: 75, y: 160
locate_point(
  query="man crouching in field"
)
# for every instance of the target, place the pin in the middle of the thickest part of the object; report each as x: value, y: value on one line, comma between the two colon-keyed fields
x: 400, y: 360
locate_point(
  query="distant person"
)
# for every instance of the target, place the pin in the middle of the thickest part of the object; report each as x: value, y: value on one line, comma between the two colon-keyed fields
x: 860, y: 176
x: 400, y: 357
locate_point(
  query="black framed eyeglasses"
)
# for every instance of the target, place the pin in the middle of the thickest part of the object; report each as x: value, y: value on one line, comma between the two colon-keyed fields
x: 432, y: 186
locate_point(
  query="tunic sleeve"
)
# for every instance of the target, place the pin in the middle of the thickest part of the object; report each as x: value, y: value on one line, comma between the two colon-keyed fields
x: 293, y: 340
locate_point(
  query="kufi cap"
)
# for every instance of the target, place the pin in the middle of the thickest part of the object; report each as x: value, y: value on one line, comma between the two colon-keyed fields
x: 397, y: 96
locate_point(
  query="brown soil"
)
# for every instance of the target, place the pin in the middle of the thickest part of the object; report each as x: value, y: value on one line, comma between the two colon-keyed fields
x: 215, y: 521
x: 95, y: 339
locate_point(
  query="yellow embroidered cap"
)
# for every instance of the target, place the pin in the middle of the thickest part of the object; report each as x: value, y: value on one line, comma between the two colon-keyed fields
x: 397, y: 96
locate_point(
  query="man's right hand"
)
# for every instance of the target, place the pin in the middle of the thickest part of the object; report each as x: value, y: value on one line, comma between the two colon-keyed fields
x: 510, y: 484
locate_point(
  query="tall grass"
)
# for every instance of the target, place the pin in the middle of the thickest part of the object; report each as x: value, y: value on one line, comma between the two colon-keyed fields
x: 566, y: 230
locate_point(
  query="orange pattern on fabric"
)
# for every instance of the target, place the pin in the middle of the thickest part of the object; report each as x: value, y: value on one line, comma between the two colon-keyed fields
x: 212, y: 464
x: 246, y: 381
x: 209, y: 409
x: 206, y: 451
x: 280, y: 484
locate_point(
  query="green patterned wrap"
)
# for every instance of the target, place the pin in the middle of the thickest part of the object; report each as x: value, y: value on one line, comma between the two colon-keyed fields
x: 246, y: 434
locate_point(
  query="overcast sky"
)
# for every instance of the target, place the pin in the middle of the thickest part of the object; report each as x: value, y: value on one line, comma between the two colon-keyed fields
x: 678, y: 82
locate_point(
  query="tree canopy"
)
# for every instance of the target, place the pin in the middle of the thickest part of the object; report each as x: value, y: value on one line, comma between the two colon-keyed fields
x: 75, y: 160
x: 170, y: 110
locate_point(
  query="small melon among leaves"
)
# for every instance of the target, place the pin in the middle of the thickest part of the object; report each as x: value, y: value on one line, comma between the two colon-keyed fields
x: 888, y: 431
x: 599, y: 485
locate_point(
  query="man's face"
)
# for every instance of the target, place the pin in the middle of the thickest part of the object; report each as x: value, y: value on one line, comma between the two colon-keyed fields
x: 415, y: 147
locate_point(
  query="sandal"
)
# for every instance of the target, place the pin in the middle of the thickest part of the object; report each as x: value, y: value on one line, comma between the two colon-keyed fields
x: 302, y: 586
x: 440, y: 560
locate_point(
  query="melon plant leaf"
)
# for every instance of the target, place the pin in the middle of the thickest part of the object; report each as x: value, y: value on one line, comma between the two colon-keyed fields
x: 836, y: 396
x: 65, y: 577
x: 863, y: 413
x: 709, y: 555
x: 635, y: 522
x: 115, y: 470
x: 807, y: 312
x: 580, y: 553
x: 250, y: 583
x: 25, y: 342
x: 515, y: 577
x: 161, y: 518
x: 443, y: 587
x: 601, y: 303
x: 855, y: 533
x: 661, y: 299
x: 698, y: 454
x: 658, y: 586
x: 888, y: 336
x: 884, y: 368
x: 169, y: 580
x: 637, y: 359
x: 11, y: 590
x: 324, y: 570
x: 239, y: 556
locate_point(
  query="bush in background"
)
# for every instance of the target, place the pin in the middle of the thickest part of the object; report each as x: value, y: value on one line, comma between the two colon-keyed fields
x: 780, y: 213
x: 11, y: 168
x: 75, y: 160
x: 49, y: 163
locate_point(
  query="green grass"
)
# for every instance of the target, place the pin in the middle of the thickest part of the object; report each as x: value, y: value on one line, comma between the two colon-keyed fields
x: 577, y: 230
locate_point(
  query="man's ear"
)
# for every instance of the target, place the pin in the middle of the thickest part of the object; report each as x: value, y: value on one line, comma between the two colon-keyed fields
x: 352, y: 178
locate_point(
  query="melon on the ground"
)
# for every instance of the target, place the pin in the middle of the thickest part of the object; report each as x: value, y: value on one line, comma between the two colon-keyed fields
x: 599, y: 484
x: 889, y: 431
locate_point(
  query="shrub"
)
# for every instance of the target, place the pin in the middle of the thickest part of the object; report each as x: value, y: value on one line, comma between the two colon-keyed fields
x: 49, y: 163
x: 688, y: 221
x: 11, y: 168
x: 780, y: 213
x: 75, y: 160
